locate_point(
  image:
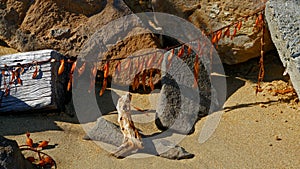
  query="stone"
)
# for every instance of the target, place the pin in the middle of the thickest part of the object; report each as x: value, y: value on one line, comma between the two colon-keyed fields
x: 11, y: 156
x: 283, y: 21
x: 60, y: 25
x: 180, y: 104
x: 128, y: 39
x: 210, y: 15
x: 177, y: 153
x: 105, y: 131
x: 60, y: 32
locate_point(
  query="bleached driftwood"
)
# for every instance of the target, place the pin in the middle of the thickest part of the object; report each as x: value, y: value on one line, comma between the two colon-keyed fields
x: 45, y: 91
x: 132, y: 140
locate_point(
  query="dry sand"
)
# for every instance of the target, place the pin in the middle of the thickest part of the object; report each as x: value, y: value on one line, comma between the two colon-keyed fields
x: 255, y: 131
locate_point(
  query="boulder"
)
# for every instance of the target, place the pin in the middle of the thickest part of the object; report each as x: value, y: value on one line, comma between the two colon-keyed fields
x: 181, y: 104
x: 11, y: 156
x: 210, y: 15
x: 284, y: 24
x: 118, y: 40
x: 60, y: 25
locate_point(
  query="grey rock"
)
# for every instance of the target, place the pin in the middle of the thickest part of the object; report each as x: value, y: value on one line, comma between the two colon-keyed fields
x: 11, y: 157
x: 60, y: 32
x: 105, y: 131
x: 180, y: 104
x: 177, y: 153
x: 283, y: 17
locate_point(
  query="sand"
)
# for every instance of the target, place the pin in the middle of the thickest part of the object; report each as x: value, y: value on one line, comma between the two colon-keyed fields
x: 255, y: 131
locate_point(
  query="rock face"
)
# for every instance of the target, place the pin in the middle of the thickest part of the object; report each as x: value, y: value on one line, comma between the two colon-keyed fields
x: 128, y: 37
x: 212, y: 15
x: 60, y: 25
x: 66, y: 25
x: 10, y: 155
x: 283, y: 18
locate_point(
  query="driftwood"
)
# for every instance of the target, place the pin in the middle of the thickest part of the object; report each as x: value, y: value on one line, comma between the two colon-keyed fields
x: 132, y: 140
x: 30, y: 81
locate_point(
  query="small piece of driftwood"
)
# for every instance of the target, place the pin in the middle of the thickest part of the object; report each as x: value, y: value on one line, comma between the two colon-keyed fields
x: 132, y: 140
x: 37, y: 85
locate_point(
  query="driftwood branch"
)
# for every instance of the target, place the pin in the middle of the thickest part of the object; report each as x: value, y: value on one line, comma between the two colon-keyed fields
x: 132, y: 140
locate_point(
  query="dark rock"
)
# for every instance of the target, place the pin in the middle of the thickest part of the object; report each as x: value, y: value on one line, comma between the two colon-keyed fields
x: 284, y: 24
x: 85, y: 7
x: 11, y: 156
x: 180, y: 103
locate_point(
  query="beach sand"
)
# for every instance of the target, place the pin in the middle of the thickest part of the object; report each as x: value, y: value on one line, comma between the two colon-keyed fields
x: 254, y: 131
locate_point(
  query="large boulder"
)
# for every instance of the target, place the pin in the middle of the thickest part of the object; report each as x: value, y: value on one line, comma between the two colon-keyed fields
x: 210, y: 15
x: 11, y: 156
x: 60, y: 25
x: 283, y: 17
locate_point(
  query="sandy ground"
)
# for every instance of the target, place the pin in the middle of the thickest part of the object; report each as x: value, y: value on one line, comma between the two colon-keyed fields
x: 255, y: 131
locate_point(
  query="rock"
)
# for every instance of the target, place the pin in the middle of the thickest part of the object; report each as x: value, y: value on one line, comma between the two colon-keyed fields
x: 105, y: 131
x: 85, y: 7
x: 210, y: 15
x: 11, y: 156
x: 60, y: 25
x: 128, y: 38
x: 284, y: 24
x: 177, y: 153
x: 180, y: 104
x: 60, y: 32
x: 246, y: 45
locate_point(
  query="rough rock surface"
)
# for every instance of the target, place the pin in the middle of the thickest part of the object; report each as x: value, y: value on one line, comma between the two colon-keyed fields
x: 60, y: 25
x: 108, y: 132
x: 10, y: 155
x: 283, y: 18
x: 128, y: 37
x: 66, y: 25
x: 180, y: 103
x: 212, y: 15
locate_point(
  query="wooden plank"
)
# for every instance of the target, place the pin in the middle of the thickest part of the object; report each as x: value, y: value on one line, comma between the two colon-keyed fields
x: 46, y: 91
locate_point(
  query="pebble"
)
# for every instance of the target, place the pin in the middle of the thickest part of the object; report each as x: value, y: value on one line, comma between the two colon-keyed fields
x: 263, y: 105
x: 278, y: 138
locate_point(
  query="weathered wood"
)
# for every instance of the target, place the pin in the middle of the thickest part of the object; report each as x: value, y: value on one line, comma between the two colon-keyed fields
x: 46, y: 91
x: 131, y: 138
